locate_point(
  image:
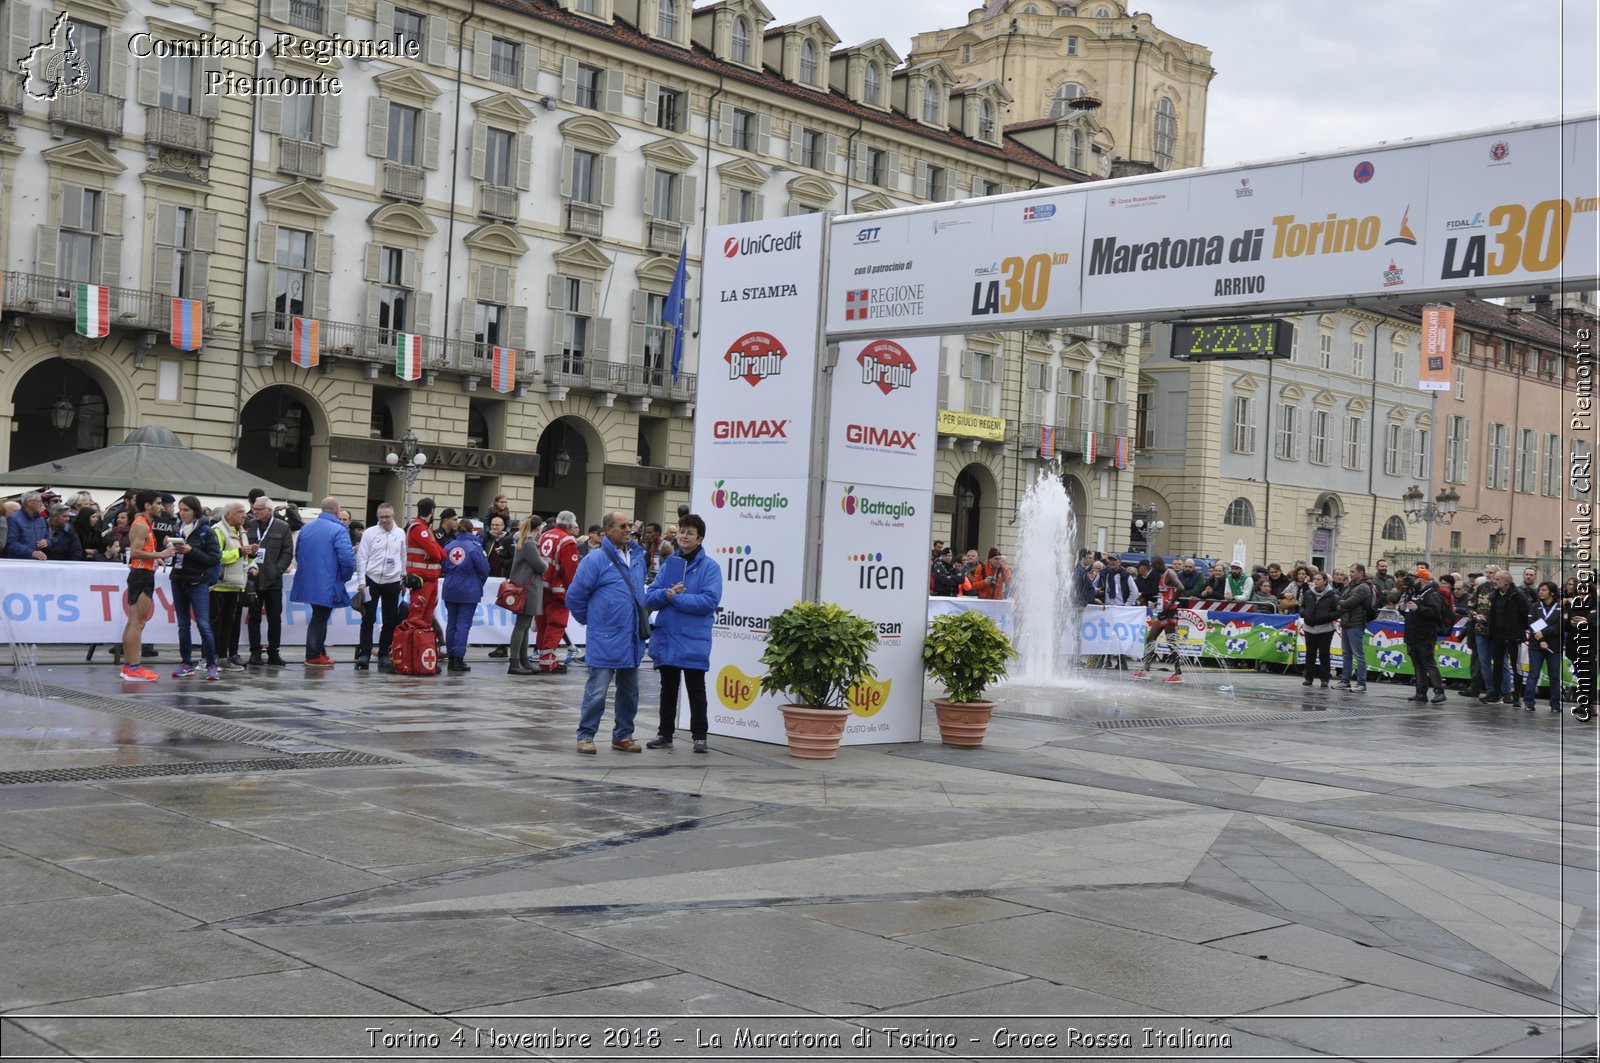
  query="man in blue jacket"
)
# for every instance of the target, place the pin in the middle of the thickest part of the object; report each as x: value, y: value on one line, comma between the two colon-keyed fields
x: 465, y: 569
x: 607, y: 595
x: 324, y: 562
x: 28, y: 534
x: 685, y: 596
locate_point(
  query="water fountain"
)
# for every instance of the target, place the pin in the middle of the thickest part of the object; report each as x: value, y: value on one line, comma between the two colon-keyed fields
x: 1046, y: 618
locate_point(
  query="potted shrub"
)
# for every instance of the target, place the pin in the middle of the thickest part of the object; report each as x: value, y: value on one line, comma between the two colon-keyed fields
x: 816, y: 651
x: 965, y: 652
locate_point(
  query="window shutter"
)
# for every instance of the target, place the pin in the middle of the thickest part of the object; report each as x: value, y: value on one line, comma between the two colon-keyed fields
x: 116, y: 206
x: 408, y: 269
x: 566, y: 171
x: 638, y: 306
x: 205, y: 230
x: 650, y: 191
x: 483, y: 283
x: 374, y: 304
x: 324, y: 258
x: 422, y: 319
x: 271, y: 112
x: 117, y: 67
x: 966, y: 365
x: 111, y: 261
x: 725, y: 126
x: 166, y: 224
x: 478, y: 155
x: 797, y: 141
x: 523, y: 176
x: 438, y: 38
x: 383, y: 22
x: 763, y: 144
x: 528, y: 75
x: 430, y: 140
x: 321, y: 289
x: 277, y: 9
x: 161, y: 278
x: 569, y: 80
x: 333, y: 14
x: 208, y: 104
x: 482, y: 48
x: 891, y: 176
x: 688, y: 198
x: 373, y: 263
x: 608, y: 180
x: 944, y: 391
x: 652, y: 101
x: 504, y: 280
x: 149, y: 90
x: 72, y: 207
x: 636, y: 343
x: 555, y: 294
x: 199, y: 276
x: 46, y: 245
x: 612, y: 83
x: 469, y: 318
x: 919, y: 185
x: 516, y: 318
x: 602, y: 339
x: 266, y: 242
x: 859, y: 163
x: 16, y: 28
x: 327, y: 120
x: 377, y: 127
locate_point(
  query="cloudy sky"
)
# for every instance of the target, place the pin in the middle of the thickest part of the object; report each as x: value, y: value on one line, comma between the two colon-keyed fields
x: 1316, y: 75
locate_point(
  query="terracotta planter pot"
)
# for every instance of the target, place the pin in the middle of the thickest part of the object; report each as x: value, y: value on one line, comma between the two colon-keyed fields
x: 814, y: 734
x: 962, y: 723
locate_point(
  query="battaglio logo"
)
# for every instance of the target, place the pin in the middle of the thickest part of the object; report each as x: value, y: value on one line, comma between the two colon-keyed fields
x: 871, y: 507
x: 754, y: 357
x: 721, y: 499
x: 886, y: 364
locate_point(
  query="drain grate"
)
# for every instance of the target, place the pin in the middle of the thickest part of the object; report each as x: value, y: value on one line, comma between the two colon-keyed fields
x: 1246, y: 717
x: 341, y: 759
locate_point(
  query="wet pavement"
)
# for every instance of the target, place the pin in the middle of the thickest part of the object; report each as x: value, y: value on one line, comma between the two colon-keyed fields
x: 343, y: 865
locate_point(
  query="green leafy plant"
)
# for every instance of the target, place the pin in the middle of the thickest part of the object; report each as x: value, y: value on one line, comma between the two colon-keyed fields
x: 966, y: 652
x: 817, y: 651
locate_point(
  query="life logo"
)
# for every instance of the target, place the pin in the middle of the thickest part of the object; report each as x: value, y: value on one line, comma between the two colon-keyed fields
x: 868, y: 697
x: 765, y: 244
x: 886, y: 364
x: 755, y: 357
x: 735, y: 689
x: 869, y: 235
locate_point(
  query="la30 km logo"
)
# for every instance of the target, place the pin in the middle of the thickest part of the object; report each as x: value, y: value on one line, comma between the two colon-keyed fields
x: 1023, y: 285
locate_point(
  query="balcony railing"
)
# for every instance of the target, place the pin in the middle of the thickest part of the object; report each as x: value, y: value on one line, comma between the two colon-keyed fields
x: 497, y: 202
x: 657, y: 383
x: 299, y: 158
x: 583, y: 219
x: 307, y: 14
x: 130, y: 308
x: 87, y: 110
x: 666, y: 237
x: 580, y: 373
x: 369, y: 343
x: 174, y: 129
x: 404, y: 182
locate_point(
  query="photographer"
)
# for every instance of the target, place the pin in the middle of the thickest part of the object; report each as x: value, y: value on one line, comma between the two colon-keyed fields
x: 1422, y: 609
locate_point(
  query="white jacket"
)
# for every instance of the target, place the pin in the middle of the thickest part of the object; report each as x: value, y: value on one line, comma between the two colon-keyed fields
x: 381, y: 557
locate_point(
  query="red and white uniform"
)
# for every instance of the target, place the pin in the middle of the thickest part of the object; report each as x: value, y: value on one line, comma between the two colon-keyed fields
x: 425, y: 558
x: 560, y: 551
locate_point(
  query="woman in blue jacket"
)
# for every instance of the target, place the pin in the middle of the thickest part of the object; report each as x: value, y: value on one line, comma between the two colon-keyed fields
x: 465, y: 570
x: 685, y: 596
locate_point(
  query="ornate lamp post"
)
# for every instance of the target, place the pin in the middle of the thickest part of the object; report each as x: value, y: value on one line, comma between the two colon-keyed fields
x: 1150, y: 528
x: 1442, y: 510
x: 407, y: 464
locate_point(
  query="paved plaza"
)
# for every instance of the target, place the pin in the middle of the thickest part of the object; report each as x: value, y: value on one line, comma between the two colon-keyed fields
x: 327, y: 864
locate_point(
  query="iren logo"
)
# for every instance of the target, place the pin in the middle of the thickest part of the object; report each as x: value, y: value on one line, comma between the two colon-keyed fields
x: 873, y: 575
x: 886, y: 364
x: 740, y: 567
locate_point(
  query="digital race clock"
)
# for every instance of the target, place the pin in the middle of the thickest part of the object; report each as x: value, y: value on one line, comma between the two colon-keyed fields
x: 1250, y: 338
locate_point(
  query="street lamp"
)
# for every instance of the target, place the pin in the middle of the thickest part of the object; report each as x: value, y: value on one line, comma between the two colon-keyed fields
x: 62, y: 414
x: 1150, y: 528
x: 277, y: 435
x: 407, y: 464
x: 1442, y: 510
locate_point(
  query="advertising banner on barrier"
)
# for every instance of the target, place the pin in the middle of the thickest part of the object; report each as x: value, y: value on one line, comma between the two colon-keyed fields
x: 753, y: 446
x: 1102, y: 629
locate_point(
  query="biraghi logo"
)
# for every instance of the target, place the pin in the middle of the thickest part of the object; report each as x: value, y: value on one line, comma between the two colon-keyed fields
x: 764, y: 244
x: 754, y: 357
x: 871, y: 507
x: 886, y: 364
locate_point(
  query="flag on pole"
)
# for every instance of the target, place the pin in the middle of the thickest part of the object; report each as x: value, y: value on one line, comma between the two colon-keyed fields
x: 187, y: 332
x: 1047, y: 441
x: 503, y: 369
x: 1119, y: 453
x: 672, y: 309
x: 1088, y: 448
x: 304, y: 350
x: 407, y: 355
x: 94, y: 310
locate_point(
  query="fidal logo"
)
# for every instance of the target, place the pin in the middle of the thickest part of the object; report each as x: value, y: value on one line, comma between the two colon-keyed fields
x: 868, y: 697
x: 886, y: 364
x: 736, y: 690
x: 754, y: 357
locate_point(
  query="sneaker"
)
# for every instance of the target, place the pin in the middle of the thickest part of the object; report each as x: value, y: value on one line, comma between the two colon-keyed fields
x: 256, y: 660
x: 1342, y: 685
x: 184, y: 671
x: 1305, y: 683
x: 236, y: 661
x: 1139, y: 675
x: 1510, y: 699
x: 659, y: 743
x: 137, y: 674
x: 585, y: 745
x: 701, y: 746
x: 627, y: 745
x: 277, y: 661
x: 211, y: 673
x: 1361, y: 688
x: 322, y: 661
x: 1490, y: 699
x: 498, y: 652
x: 1532, y: 707
x: 1418, y: 697
x: 1439, y: 698
x: 1175, y: 677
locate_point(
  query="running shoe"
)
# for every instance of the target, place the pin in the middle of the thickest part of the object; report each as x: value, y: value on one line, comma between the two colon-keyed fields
x: 1139, y: 675
x: 321, y: 661
x: 211, y: 673
x: 184, y: 671
x: 1175, y: 677
x: 137, y: 674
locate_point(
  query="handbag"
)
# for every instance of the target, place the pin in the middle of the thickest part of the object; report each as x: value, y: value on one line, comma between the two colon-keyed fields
x: 251, y: 596
x: 643, y: 615
x: 511, y: 597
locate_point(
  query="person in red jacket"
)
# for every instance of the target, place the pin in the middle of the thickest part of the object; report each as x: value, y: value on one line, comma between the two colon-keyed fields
x: 560, y: 552
x: 425, y: 560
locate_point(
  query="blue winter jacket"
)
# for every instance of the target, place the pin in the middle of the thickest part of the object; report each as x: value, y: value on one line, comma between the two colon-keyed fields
x: 465, y: 569
x: 682, y: 637
x: 23, y: 531
x: 600, y: 599
x: 324, y: 562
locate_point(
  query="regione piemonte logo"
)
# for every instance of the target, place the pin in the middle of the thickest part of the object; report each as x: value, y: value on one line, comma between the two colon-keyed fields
x: 886, y: 364
x: 754, y: 357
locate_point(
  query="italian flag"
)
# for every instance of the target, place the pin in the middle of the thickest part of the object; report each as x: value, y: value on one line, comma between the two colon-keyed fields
x: 407, y: 356
x: 94, y: 310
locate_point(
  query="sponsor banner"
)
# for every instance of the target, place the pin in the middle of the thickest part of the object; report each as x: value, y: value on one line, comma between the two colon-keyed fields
x: 971, y: 426
x: 758, y: 348
x: 85, y: 601
x: 956, y: 270
x: 881, y: 418
x: 1438, y: 330
x: 1102, y: 629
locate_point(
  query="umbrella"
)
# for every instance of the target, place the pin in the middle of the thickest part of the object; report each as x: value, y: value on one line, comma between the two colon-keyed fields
x: 151, y: 457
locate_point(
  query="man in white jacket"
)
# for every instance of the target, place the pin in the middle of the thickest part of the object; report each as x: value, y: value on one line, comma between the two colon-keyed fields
x: 380, y: 571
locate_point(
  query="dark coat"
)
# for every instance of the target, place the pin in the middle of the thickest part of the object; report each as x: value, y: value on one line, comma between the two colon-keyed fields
x: 1424, y: 622
x: 1353, y: 602
x: 276, y: 553
x: 527, y: 565
x: 1508, y: 616
x: 65, y: 544
x: 1318, y: 610
x: 947, y: 576
x: 465, y: 570
x: 24, y: 532
x: 194, y: 567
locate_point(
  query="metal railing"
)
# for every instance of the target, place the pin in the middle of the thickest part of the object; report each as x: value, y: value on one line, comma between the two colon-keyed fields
x: 369, y: 343
x: 404, y: 182
x: 299, y: 158
x: 88, y: 110
x: 307, y: 14
x: 175, y: 129
x: 497, y: 202
x: 584, y: 219
x: 582, y: 373
x: 666, y: 236
x: 130, y: 308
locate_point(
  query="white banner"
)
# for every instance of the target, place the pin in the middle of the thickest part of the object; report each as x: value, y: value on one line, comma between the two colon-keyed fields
x: 1102, y: 629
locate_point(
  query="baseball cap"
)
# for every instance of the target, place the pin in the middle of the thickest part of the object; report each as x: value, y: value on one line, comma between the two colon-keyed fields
x: 595, y: 528
x: 168, y: 497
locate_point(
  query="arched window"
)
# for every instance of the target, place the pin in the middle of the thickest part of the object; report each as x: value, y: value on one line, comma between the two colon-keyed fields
x: 1166, y: 134
x: 1103, y: 12
x: 870, y: 86
x: 985, y: 120
x: 1075, y: 161
x: 1394, y: 529
x: 930, y: 102
x: 1064, y: 93
x: 1240, y: 513
x: 741, y: 40
x: 666, y: 18
x: 1030, y: 10
x: 808, y: 62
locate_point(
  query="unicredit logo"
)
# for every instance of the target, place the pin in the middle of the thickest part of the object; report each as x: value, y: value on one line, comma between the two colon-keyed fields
x: 760, y: 245
x: 750, y: 430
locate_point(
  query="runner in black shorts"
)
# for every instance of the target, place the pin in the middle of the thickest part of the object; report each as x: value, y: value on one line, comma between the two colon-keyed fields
x: 141, y: 584
x: 142, y: 558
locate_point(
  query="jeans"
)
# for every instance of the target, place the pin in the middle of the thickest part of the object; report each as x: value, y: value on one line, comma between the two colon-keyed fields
x: 1538, y: 661
x: 594, y: 702
x: 269, y: 603
x: 695, y: 680
x: 317, y: 632
x: 1353, y: 644
x: 388, y: 596
x: 192, y: 598
x: 1319, y: 657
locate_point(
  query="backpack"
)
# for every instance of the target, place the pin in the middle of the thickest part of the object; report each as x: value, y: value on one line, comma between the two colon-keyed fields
x: 1369, y: 612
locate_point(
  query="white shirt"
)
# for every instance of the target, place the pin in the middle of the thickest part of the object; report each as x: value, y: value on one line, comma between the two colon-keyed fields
x: 381, y: 557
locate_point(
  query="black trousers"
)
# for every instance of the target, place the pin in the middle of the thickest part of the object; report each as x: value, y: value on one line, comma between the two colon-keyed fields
x: 1425, y: 670
x: 388, y: 596
x: 1319, y: 656
x: 269, y: 603
x: 695, y: 680
x: 225, y: 621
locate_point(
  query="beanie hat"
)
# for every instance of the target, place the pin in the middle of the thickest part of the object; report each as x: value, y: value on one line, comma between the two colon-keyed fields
x: 994, y: 551
x: 1423, y: 573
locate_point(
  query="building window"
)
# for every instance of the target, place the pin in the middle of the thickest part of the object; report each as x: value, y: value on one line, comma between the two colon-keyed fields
x: 589, y: 88
x: 1455, y: 540
x: 499, y: 158
x: 746, y: 205
x: 1457, y: 438
x: 1394, y: 530
x: 741, y: 41
x: 1358, y: 358
x: 1355, y: 441
x: 1397, y: 367
x: 177, y: 84
x: 505, y: 61
x: 1288, y: 434
x: 808, y: 62
x: 1325, y: 350
x: 1505, y: 353
x: 669, y: 109
x: 1062, y: 98
x: 182, y: 251
x: 877, y: 166
x: 870, y: 88
x: 1075, y: 150
x: 403, y: 123
x: 90, y: 41
x: 585, y: 169
x: 1499, y: 459
x: 291, y: 277
x: 574, y: 325
x: 930, y: 102
x: 1527, y: 475
x: 587, y: 7
x: 744, y: 130
x: 1294, y: 342
x: 1072, y: 46
x: 938, y: 183
x: 394, y: 298
x: 1244, y: 425
x: 664, y: 197
x: 1552, y: 465
x: 667, y: 19
x: 811, y: 143
x: 985, y: 120
x: 981, y: 370
x: 82, y: 218
x: 488, y: 328
x: 1166, y: 134
x: 1421, y: 469
x: 1144, y: 430
x: 408, y: 32
x: 1319, y: 437
x: 982, y: 186
x: 1240, y: 513
x: 1392, y: 450
x: 1461, y: 383
x: 299, y: 118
